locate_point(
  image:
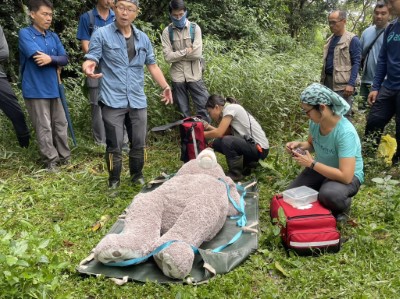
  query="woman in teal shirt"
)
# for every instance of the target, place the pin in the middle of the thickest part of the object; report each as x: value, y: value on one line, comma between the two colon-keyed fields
x: 336, y: 171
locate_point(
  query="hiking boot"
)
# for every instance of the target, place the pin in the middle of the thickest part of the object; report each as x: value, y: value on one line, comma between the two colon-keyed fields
x: 138, y: 180
x: 113, y: 184
x: 235, y: 166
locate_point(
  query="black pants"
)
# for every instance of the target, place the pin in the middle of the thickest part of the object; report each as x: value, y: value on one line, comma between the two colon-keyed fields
x: 11, y: 108
x: 334, y: 195
x: 387, y: 105
x: 234, y: 146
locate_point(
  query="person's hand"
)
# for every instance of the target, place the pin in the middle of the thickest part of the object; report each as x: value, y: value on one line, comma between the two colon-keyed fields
x: 348, y: 91
x: 41, y: 58
x: 88, y: 68
x: 290, y: 146
x: 167, y: 96
x: 372, y: 97
x: 304, y: 160
x: 189, y: 50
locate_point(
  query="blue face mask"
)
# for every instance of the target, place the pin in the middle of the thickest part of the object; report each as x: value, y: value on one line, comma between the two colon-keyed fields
x: 181, y: 22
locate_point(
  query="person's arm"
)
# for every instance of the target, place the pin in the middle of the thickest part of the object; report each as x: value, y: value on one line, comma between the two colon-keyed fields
x: 83, y: 33
x: 170, y: 55
x: 355, y: 57
x: 346, y: 151
x: 381, y: 67
x: 220, y: 130
x: 197, y: 47
x: 158, y: 76
x: 85, y: 46
x: 304, y: 145
x: 4, y: 51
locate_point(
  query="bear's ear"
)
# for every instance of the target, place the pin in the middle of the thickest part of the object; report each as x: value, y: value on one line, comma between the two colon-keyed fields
x: 207, y: 159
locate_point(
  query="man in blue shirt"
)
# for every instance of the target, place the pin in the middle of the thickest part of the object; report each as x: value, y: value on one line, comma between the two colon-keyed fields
x: 371, y: 43
x: 341, y: 58
x: 8, y: 101
x: 120, y: 50
x: 89, y: 22
x: 41, y: 53
x: 385, y: 94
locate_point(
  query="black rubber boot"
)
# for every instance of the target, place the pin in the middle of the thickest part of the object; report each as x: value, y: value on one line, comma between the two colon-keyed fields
x: 235, y: 166
x: 114, y: 167
x: 136, y: 163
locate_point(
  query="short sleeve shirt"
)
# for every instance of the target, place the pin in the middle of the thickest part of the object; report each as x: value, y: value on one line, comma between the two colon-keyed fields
x: 84, y: 23
x: 342, y: 142
x: 243, y: 123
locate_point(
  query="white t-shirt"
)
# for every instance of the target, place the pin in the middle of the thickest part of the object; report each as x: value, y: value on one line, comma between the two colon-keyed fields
x: 243, y: 123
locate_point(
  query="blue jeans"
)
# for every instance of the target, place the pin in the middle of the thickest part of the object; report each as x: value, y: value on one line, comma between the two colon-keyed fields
x: 387, y: 105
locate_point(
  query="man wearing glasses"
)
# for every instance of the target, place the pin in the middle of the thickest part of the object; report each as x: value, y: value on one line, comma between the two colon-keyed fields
x: 120, y: 50
x: 341, y: 58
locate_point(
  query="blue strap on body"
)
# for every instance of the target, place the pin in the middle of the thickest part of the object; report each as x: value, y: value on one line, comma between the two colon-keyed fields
x: 242, y: 221
x: 139, y: 260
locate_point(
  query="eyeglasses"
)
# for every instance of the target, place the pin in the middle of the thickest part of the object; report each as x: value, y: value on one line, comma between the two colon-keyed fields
x: 306, y: 112
x: 334, y: 22
x: 122, y: 8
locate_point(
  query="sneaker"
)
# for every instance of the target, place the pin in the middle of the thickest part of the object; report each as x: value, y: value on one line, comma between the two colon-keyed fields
x: 64, y: 162
x: 52, y: 167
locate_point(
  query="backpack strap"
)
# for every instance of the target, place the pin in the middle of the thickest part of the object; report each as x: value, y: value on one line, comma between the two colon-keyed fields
x: 91, y: 21
x: 192, y: 31
x: 171, y: 36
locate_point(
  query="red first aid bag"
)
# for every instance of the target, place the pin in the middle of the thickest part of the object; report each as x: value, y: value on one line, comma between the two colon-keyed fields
x: 192, y: 138
x: 308, y: 231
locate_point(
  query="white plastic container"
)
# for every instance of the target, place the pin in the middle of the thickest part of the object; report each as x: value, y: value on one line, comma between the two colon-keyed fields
x: 300, y: 197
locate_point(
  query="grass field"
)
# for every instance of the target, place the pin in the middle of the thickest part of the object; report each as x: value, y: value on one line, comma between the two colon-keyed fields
x: 46, y: 220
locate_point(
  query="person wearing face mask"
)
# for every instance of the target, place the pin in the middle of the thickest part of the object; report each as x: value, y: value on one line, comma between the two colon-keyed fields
x: 184, y: 56
x: 336, y: 171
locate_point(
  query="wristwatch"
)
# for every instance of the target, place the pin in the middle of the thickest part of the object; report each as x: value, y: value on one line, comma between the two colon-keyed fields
x: 313, y: 164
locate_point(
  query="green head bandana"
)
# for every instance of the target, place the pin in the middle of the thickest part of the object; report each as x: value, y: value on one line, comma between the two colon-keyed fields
x: 316, y: 94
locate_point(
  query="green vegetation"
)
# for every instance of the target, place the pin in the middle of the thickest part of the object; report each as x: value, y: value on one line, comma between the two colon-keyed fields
x: 47, y: 219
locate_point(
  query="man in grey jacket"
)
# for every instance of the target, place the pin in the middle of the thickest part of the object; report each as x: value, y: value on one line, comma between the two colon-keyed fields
x: 8, y: 101
x: 183, y: 48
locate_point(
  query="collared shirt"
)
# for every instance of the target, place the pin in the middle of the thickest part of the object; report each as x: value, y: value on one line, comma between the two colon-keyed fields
x: 185, y: 66
x: 389, y: 59
x: 122, y: 84
x: 367, y: 37
x: 84, y: 23
x: 40, y: 82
